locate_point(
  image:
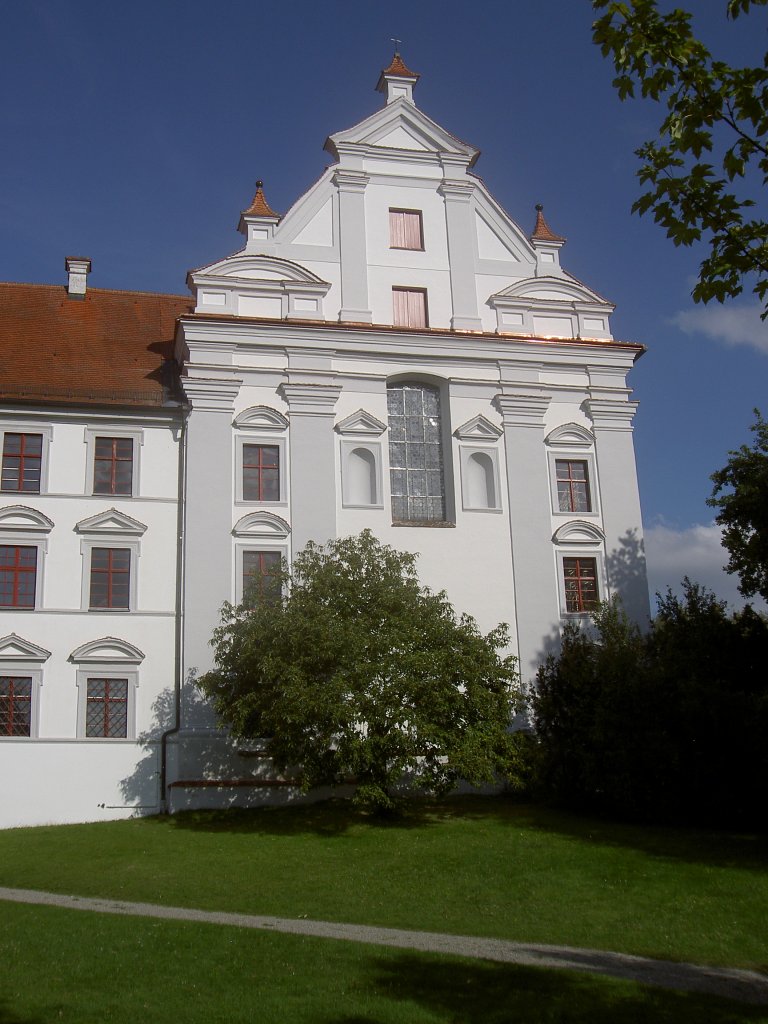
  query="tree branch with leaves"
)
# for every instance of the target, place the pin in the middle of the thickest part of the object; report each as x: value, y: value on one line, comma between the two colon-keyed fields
x: 711, y: 145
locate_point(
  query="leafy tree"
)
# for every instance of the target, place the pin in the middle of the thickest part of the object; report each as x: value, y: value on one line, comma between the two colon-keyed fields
x: 665, y: 726
x: 744, y: 511
x: 358, y: 671
x: 711, y: 146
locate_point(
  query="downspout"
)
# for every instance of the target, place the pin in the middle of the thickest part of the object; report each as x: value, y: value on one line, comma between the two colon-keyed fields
x: 180, y: 568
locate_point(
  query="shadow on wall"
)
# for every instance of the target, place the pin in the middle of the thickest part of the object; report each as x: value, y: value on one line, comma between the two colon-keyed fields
x: 142, y: 787
x: 627, y: 576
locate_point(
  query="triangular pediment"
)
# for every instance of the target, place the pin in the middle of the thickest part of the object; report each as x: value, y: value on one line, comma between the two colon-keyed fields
x: 109, y: 649
x: 22, y: 517
x: 361, y: 422
x: 478, y: 429
x: 261, y: 417
x: 16, y: 648
x: 401, y: 125
x: 262, y: 525
x: 111, y: 522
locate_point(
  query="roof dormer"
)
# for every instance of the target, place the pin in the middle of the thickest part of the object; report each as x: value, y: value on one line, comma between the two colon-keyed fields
x: 397, y: 81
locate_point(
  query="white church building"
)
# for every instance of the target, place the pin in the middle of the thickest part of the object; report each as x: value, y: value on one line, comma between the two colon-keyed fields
x: 393, y: 353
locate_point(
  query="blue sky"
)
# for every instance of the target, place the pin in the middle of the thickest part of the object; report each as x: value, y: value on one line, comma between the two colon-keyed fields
x: 133, y: 134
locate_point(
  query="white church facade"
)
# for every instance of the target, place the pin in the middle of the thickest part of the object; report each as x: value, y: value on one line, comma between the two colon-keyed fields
x: 393, y: 353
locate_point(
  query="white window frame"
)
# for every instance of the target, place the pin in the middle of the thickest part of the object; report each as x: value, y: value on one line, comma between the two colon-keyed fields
x: 466, y: 451
x: 19, y: 534
x: 273, y: 442
x: 29, y: 665
x: 257, y: 531
x: 411, y: 289
x: 106, y: 670
x: 256, y: 548
x: 91, y: 433
x: 573, y: 456
x: 600, y: 576
x: 110, y: 541
x: 347, y: 447
x: 13, y: 427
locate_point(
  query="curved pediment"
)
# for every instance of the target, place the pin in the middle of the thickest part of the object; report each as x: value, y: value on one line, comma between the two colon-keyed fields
x: 261, y: 525
x: 579, y: 533
x: 261, y: 417
x: 22, y: 517
x: 108, y: 649
x: 254, y: 267
x: 551, y: 289
x: 570, y: 435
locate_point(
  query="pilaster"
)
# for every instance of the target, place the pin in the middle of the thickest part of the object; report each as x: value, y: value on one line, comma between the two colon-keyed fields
x: 312, y: 409
x: 461, y: 254
x: 353, y: 251
x: 535, y: 587
x: 207, y: 532
x: 620, y: 503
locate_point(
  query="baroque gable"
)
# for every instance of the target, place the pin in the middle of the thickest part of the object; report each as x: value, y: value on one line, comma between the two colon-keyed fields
x: 258, y: 285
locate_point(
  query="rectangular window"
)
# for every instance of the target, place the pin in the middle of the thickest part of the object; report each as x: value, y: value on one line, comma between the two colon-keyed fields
x: 106, y: 710
x: 405, y: 229
x: 409, y: 307
x: 580, y: 575
x: 261, y: 583
x: 22, y: 462
x: 261, y: 472
x: 113, y: 465
x: 110, y: 578
x: 18, y: 576
x: 15, y: 706
x: 573, y: 486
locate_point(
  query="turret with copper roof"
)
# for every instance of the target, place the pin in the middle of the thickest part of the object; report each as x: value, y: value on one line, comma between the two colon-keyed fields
x: 397, y: 81
x: 546, y: 245
x: 258, y: 222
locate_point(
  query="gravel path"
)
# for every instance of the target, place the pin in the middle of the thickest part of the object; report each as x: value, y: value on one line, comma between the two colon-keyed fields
x: 745, y: 986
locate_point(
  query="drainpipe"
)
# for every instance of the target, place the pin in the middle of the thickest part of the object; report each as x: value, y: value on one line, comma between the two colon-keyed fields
x: 180, y: 566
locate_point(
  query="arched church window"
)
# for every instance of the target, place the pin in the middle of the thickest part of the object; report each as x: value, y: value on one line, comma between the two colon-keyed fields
x: 417, y: 479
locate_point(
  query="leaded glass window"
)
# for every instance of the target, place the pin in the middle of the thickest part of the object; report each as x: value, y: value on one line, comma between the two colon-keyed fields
x: 15, y: 705
x: 106, y: 712
x: 417, y: 481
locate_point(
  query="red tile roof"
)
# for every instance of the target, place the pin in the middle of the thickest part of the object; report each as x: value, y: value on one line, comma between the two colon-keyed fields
x: 543, y: 232
x: 260, y: 207
x: 398, y: 68
x: 110, y: 347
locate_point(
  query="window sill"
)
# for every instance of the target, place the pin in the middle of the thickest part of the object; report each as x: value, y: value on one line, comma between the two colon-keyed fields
x: 431, y: 524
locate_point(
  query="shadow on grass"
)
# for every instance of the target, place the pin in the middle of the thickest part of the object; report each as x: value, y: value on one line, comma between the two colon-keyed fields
x: 458, y: 992
x: 337, y: 817
x: 9, y: 1016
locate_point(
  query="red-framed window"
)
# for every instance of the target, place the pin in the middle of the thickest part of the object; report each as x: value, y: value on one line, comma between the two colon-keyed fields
x: 106, y: 708
x: 261, y: 582
x: 409, y: 307
x: 22, y: 462
x: 15, y: 706
x: 573, y: 493
x: 580, y: 576
x: 113, y: 465
x: 405, y: 229
x: 18, y: 576
x: 110, y: 578
x: 261, y: 472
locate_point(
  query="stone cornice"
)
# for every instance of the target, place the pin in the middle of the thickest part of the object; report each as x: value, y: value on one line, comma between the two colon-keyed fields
x: 208, y: 394
x: 350, y: 181
x: 311, y: 399
x: 607, y: 414
x: 457, y: 191
x: 522, y: 410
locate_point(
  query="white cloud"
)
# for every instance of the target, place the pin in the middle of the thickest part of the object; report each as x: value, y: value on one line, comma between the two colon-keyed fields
x: 734, y: 324
x: 696, y: 552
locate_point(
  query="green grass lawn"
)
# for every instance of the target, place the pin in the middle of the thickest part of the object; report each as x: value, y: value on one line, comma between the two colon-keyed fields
x: 73, y: 967
x: 469, y: 866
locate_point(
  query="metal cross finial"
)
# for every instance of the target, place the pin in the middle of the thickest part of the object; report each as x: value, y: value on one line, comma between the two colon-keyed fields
x: 397, y: 44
